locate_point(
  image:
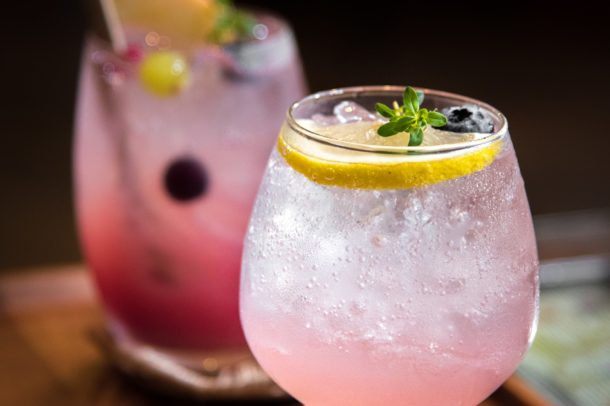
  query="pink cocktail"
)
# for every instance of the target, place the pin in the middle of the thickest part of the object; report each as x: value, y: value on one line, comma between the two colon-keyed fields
x: 376, y: 273
x: 165, y: 183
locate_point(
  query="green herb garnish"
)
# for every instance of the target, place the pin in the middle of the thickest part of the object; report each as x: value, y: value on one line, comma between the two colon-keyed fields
x: 231, y: 24
x: 409, y: 117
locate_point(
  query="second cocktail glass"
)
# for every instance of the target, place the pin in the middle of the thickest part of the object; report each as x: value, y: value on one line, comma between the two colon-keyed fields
x: 167, y: 164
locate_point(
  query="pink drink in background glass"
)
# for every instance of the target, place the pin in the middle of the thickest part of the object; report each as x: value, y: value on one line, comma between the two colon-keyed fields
x: 418, y: 296
x: 164, y: 185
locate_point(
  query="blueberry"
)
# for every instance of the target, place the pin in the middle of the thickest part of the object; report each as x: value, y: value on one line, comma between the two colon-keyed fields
x: 186, y: 179
x: 468, y: 119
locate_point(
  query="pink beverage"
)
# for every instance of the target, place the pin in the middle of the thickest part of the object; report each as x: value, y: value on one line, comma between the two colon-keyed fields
x: 165, y: 185
x: 356, y: 291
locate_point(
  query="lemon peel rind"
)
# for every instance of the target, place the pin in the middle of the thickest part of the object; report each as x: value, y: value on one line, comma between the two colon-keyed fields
x: 401, y: 175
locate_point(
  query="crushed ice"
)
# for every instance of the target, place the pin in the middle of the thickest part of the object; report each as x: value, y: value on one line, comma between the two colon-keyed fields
x: 345, y: 112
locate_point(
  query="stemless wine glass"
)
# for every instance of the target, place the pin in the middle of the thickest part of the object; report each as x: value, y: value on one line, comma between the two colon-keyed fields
x: 165, y: 183
x: 389, y: 275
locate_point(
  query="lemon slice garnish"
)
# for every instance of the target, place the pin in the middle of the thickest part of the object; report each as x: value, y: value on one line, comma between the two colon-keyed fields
x: 182, y: 20
x: 332, y: 165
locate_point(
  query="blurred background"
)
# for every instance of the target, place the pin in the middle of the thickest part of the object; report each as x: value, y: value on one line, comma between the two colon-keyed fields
x: 544, y: 64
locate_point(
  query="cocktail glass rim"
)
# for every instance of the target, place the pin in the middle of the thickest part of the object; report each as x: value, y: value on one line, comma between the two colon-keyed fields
x: 500, y: 122
x: 282, y: 28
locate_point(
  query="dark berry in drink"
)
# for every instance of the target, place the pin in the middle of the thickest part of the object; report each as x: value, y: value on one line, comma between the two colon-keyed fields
x: 186, y: 179
x: 468, y: 119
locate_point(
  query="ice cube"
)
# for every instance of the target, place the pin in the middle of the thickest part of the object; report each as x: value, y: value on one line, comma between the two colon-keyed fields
x: 349, y: 112
x: 322, y: 120
x: 344, y: 112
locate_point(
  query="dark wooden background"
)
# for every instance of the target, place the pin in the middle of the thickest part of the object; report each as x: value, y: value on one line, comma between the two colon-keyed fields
x: 545, y: 64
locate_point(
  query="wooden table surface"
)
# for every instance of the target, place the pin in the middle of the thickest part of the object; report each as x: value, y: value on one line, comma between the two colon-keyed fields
x: 48, y: 355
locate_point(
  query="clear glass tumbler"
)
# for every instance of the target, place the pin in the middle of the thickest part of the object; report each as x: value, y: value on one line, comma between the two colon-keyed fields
x: 389, y: 275
x: 164, y: 186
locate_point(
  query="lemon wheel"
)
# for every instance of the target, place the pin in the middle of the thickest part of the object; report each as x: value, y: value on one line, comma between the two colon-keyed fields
x: 336, y: 166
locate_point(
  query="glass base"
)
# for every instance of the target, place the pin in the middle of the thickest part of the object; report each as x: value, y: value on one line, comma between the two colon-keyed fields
x: 231, y: 374
x: 209, y: 362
